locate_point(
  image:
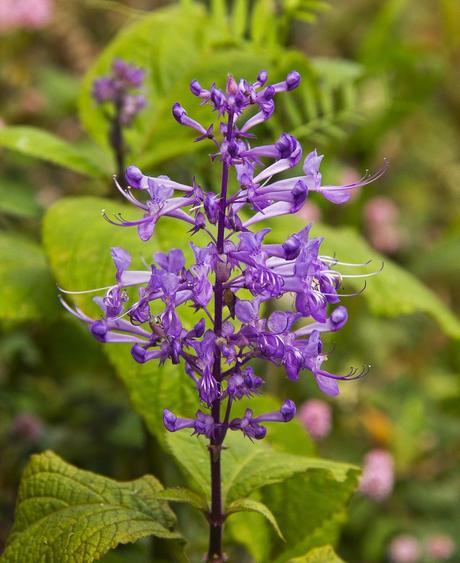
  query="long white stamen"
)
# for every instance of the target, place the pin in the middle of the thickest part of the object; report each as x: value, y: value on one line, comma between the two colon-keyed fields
x: 330, y: 260
x: 85, y: 291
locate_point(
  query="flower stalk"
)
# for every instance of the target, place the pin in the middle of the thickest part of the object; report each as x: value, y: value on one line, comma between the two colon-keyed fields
x: 116, y: 93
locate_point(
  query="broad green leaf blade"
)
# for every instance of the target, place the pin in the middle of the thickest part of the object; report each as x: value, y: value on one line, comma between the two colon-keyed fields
x: 310, y: 508
x: 251, y: 530
x: 153, y: 388
x: 325, y: 554
x: 45, y: 146
x: 391, y: 293
x: 185, y: 496
x: 250, y: 505
x: 27, y: 291
x: 66, y: 514
x: 239, y: 17
x: 80, y: 259
x: 246, y: 466
x: 18, y: 199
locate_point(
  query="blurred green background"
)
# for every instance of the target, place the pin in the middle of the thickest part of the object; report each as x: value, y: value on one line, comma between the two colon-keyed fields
x: 381, y: 81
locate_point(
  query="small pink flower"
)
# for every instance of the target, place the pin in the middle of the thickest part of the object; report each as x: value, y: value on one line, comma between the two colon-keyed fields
x: 310, y: 212
x: 27, y: 426
x: 377, y: 478
x: 404, y: 549
x: 381, y: 216
x: 440, y: 547
x: 316, y: 416
x: 29, y: 14
x: 381, y: 210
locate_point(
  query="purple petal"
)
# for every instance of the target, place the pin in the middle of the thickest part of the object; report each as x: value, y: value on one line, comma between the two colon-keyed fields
x: 327, y: 385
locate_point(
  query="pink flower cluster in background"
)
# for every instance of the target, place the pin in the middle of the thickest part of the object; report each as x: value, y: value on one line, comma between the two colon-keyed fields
x: 26, y: 14
x: 440, y: 547
x: 316, y: 417
x: 408, y: 549
x: 381, y: 216
x: 404, y: 549
x: 377, y: 479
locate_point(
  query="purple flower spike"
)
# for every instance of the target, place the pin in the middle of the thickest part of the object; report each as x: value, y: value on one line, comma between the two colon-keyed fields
x: 233, y: 279
x: 120, y: 88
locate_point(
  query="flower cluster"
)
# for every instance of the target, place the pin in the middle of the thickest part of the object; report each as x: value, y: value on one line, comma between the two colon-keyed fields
x: 377, y: 479
x: 26, y: 14
x: 409, y: 549
x: 404, y: 549
x: 118, y: 89
x: 239, y: 260
x: 316, y: 417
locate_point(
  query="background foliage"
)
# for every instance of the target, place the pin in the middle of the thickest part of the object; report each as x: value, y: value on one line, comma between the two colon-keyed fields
x: 363, y: 98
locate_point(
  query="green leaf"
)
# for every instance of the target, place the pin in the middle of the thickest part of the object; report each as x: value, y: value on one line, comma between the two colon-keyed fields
x: 152, y: 388
x: 250, y: 505
x: 80, y: 259
x: 251, y: 530
x: 315, y: 490
x: 45, y: 146
x: 27, y: 291
x: 66, y: 514
x: 317, y: 503
x: 18, y: 199
x: 325, y: 554
x: 183, y: 495
x: 246, y: 466
x: 239, y: 17
x: 262, y: 19
x: 391, y: 293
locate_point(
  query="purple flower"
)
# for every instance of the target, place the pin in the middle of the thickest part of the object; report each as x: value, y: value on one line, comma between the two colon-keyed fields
x: 119, y: 89
x: 250, y: 424
x: 233, y: 276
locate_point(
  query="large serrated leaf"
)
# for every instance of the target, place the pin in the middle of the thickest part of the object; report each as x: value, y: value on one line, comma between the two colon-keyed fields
x: 45, y: 146
x: 66, y: 514
x: 177, y: 494
x: 251, y: 505
x: 27, y: 291
x: 325, y: 554
x: 246, y: 466
x: 310, y: 509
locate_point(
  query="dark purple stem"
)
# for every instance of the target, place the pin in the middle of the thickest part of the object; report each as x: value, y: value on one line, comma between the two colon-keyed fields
x: 216, y: 516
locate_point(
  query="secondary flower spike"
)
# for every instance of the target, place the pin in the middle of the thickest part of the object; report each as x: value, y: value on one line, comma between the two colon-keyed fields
x: 120, y: 88
x: 236, y: 272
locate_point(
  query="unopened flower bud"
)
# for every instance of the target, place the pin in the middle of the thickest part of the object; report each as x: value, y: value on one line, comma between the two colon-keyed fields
x: 134, y: 177
x: 293, y: 80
